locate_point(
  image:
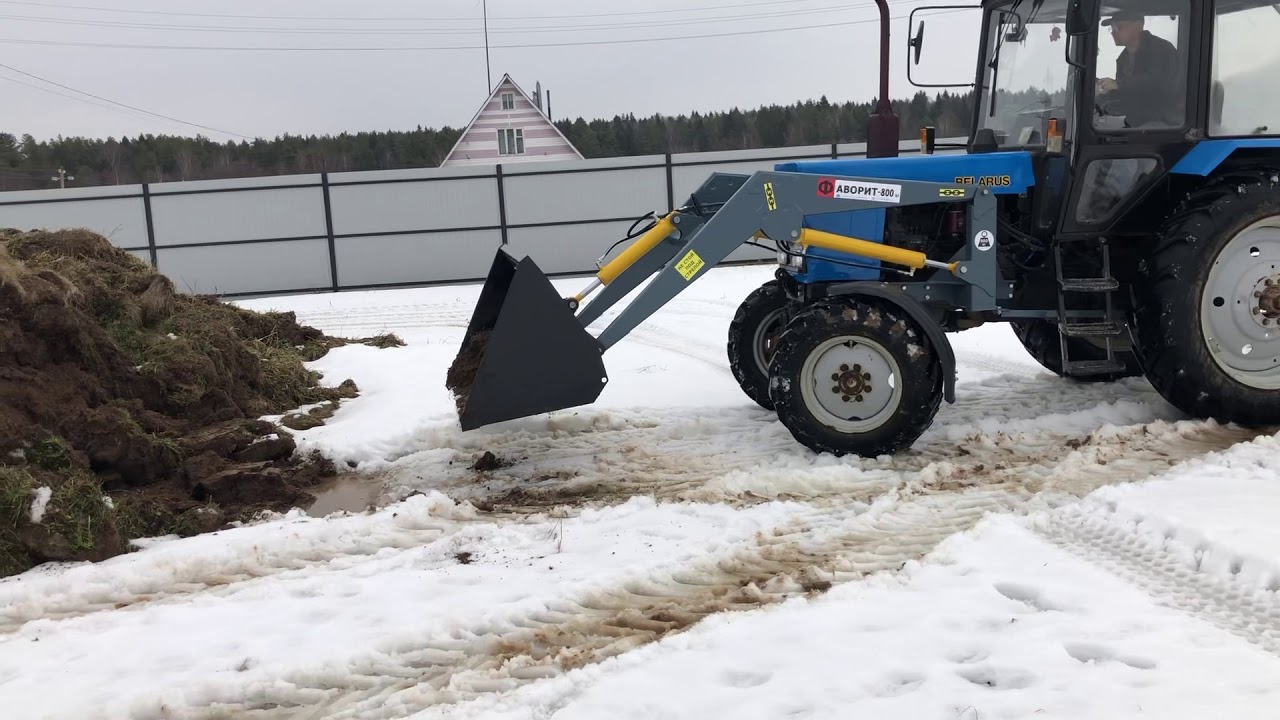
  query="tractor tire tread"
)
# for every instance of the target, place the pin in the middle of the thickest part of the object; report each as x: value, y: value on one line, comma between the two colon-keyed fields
x: 920, y: 375
x: 1165, y: 314
x: 753, y: 310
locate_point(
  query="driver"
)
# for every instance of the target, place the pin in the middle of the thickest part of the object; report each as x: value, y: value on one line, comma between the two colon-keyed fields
x: 1146, y: 88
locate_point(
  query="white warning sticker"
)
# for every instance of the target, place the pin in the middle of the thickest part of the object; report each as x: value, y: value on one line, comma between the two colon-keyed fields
x: 984, y: 241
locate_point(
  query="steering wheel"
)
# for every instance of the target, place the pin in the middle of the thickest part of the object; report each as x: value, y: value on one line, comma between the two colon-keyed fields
x: 1061, y: 109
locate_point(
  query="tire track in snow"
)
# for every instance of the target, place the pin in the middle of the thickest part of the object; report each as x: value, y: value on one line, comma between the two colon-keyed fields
x: 704, y: 454
x: 680, y: 345
x: 1170, y: 572
x: 223, y: 570
x: 843, y: 538
x: 966, y: 360
x: 805, y: 557
x: 733, y: 455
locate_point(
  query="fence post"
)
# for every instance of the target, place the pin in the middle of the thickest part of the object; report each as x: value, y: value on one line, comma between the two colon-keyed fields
x: 671, y: 187
x: 151, y: 228
x: 328, y: 229
x: 502, y: 204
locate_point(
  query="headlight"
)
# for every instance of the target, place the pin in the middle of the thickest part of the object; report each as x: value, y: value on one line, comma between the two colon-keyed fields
x: 794, y: 259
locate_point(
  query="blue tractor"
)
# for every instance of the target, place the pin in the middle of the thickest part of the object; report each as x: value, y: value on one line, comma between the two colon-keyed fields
x: 1117, y: 202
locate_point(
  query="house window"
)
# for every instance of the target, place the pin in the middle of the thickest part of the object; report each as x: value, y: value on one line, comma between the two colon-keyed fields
x: 511, y: 142
x: 508, y: 101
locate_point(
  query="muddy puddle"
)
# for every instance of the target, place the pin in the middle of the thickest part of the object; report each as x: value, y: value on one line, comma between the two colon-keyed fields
x: 354, y: 493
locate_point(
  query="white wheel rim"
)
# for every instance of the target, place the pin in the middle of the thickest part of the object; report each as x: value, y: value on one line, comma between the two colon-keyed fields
x: 851, y: 384
x: 760, y: 342
x: 1240, y: 306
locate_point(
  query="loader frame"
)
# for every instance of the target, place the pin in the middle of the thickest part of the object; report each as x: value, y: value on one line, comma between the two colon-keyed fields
x: 773, y: 206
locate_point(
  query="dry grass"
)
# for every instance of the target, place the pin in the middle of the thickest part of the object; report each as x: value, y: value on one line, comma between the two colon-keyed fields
x: 11, y: 272
x: 158, y: 301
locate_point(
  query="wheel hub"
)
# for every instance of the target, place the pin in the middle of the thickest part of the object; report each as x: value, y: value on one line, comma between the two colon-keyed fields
x: 1266, y: 294
x: 851, y: 384
x: 1240, y: 307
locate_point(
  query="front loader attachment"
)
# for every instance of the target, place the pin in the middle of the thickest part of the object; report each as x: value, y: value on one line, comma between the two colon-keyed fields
x: 525, y: 352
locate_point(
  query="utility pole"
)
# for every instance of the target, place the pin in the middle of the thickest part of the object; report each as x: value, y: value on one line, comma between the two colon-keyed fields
x: 488, y: 76
x: 62, y: 178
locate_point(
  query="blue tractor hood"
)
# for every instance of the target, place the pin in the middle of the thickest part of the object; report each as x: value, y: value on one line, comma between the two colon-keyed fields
x: 1005, y: 173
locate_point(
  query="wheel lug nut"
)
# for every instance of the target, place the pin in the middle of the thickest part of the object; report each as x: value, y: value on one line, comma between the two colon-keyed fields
x: 844, y: 398
x: 857, y: 369
x: 844, y: 368
x: 858, y: 398
x: 867, y: 377
x: 835, y: 377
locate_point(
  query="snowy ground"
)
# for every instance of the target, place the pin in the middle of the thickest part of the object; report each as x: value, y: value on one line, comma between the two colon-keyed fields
x: 1047, y: 549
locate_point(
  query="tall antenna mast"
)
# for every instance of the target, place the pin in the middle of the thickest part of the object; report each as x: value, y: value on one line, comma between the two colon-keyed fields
x: 488, y: 76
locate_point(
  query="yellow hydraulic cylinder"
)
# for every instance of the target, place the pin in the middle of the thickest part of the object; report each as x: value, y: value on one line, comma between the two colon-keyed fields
x: 642, y: 245
x: 637, y: 249
x: 876, y: 251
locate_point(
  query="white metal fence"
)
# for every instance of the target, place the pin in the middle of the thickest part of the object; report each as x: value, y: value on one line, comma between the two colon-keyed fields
x: 341, y: 231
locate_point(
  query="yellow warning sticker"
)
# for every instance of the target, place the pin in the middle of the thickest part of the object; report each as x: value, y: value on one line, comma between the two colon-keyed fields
x: 690, y: 265
x: 951, y: 192
x: 769, y: 197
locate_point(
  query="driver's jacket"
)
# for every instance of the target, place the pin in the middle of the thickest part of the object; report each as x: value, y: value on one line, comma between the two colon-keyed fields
x: 1150, y: 88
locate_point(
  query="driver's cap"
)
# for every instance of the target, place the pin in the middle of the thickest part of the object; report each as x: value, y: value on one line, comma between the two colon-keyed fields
x: 1122, y: 16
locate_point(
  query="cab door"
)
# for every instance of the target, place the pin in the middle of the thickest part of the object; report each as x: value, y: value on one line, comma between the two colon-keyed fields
x: 1128, y: 138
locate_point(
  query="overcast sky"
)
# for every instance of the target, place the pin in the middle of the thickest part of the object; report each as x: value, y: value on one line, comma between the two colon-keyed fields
x: 274, y: 90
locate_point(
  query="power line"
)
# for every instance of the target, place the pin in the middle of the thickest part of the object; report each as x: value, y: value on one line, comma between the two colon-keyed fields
x: 408, y: 48
x: 51, y: 91
x: 113, y: 102
x: 432, y: 31
x: 99, y: 8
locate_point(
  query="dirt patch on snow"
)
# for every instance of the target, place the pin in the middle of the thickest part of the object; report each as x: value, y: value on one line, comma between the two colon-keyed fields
x: 488, y: 462
x: 133, y: 406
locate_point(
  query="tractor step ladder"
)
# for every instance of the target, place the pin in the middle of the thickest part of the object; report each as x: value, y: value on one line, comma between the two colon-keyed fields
x: 1108, y: 328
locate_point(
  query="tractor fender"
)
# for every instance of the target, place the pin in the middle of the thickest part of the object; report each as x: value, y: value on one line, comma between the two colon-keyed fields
x: 917, y: 311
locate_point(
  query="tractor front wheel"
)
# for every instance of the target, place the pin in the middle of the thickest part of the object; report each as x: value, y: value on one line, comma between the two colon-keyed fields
x: 1207, y: 312
x: 752, y: 334
x: 855, y: 376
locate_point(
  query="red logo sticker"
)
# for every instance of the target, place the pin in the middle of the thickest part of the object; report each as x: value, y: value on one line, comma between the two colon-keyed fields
x: 827, y: 188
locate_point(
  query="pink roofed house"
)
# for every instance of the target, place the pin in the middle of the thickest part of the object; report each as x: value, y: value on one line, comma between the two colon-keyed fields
x: 511, y: 127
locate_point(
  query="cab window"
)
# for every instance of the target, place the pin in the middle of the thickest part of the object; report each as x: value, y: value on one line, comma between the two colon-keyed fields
x: 1142, y: 70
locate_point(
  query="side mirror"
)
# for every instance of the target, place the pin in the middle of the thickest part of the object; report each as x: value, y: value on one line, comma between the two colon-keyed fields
x: 942, y: 63
x: 1077, y: 19
x: 917, y: 43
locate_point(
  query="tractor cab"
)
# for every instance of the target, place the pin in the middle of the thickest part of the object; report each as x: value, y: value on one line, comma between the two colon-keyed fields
x: 1114, y: 99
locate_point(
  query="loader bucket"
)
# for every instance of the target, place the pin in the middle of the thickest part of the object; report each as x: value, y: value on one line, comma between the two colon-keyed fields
x: 525, y: 353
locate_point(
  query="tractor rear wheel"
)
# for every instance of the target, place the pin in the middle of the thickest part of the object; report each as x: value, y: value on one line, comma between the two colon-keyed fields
x: 752, y: 334
x: 1042, y: 341
x: 1207, y: 309
x: 855, y: 376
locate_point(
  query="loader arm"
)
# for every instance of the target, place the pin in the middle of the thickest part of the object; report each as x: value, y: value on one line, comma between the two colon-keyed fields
x: 773, y: 205
x: 528, y: 350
